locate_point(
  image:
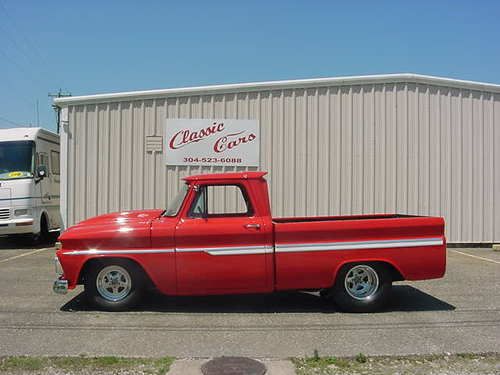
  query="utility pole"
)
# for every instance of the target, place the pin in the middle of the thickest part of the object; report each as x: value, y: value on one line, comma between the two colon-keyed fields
x: 59, y: 94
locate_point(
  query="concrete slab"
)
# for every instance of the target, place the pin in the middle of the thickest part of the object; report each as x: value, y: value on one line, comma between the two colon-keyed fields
x: 279, y: 367
x: 455, y: 314
x: 188, y: 366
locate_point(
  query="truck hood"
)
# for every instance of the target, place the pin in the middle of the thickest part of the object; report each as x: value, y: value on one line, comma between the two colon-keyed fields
x: 119, y: 230
x: 122, y: 218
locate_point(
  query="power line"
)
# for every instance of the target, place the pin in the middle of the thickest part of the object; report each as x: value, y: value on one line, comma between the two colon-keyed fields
x: 26, y: 74
x: 31, y: 62
x: 9, y: 121
x: 28, y: 45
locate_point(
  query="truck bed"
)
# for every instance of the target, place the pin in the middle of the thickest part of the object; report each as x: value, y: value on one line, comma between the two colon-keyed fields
x: 307, y: 249
x: 336, y: 218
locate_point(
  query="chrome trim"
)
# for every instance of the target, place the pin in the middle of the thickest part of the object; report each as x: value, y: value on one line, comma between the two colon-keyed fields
x: 280, y: 248
x: 57, y: 266
x: 239, y: 250
x: 328, y: 246
x: 118, y: 251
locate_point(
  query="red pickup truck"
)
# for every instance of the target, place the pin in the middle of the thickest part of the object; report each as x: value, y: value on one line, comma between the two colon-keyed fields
x: 206, y: 243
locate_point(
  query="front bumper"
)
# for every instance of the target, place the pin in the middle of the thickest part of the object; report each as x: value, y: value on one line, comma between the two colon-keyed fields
x: 17, y: 226
x: 60, y: 286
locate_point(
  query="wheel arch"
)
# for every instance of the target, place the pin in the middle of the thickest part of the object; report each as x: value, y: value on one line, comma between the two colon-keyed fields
x: 394, y: 271
x: 109, y: 259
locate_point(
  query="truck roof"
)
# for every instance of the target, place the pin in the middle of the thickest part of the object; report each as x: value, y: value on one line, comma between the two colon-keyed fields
x: 26, y: 134
x: 226, y: 176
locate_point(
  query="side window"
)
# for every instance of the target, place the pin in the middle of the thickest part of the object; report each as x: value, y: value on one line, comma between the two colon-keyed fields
x: 221, y: 201
x: 54, y: 162
x: 42, y: 159
x: 198, y: 207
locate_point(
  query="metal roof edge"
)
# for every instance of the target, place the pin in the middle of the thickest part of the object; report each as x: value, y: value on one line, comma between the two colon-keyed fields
x: 30, y: 132
x: 278, y: 85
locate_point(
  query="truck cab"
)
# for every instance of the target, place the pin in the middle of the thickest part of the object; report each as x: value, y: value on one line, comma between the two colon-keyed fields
x: 29, y: 182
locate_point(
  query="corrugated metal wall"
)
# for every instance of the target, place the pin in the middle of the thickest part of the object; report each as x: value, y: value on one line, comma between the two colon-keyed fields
x: 396, y: 147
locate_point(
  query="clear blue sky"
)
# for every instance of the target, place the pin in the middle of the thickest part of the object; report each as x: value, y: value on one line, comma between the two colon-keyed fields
x: 90, y: 47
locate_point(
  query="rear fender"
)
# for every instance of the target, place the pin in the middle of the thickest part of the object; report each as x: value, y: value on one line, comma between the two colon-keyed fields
x: 397, y: 274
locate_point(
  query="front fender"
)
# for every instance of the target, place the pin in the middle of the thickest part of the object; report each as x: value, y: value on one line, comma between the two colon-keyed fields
x: 158, y: 267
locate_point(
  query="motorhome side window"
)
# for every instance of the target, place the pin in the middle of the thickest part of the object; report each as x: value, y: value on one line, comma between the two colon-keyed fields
x: 221, y: 200
x: 43, y: 159
x: 54, y: 162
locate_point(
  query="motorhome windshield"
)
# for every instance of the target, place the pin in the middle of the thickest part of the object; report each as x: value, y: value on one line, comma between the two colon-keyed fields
x: 16, y: 160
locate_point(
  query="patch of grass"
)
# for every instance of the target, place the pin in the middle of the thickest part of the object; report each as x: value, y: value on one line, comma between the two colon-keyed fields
x: 303, y: 365
x: 31, y: 364
x: 468, y: 356
x: 162, y: 365
x: 22, y: 364
x: 384, y: 365
x: 361, y: 358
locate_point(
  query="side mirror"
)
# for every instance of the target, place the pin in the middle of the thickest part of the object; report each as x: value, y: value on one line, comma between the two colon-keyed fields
x: 41, y: 171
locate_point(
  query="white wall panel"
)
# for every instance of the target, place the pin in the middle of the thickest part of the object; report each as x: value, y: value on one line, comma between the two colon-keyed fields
x: 405, y: 147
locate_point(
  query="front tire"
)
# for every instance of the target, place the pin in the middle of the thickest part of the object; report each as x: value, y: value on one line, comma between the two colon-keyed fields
x: 362, y: 287
x: 115, y: 285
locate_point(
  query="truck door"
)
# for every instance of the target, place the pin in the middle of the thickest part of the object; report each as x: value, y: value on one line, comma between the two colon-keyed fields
x: 222, y: 245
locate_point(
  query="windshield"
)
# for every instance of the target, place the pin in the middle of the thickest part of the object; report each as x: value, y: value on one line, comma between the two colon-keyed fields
x: 16, y: 160
x: 175, y: 205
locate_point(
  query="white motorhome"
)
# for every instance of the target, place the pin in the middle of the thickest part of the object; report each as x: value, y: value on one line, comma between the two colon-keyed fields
x: 29, y: 182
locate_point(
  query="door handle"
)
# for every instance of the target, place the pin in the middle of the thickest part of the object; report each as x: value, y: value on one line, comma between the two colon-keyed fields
x: 252, y: 226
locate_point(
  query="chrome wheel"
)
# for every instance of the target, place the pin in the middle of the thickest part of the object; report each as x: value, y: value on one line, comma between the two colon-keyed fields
x: 113, y: 283
x: 361, y: 282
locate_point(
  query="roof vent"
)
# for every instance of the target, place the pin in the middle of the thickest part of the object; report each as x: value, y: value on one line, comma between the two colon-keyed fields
x: 154, y: 143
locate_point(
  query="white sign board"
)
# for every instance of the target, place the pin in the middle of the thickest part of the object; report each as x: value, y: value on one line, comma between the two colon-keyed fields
x: 221, y: 142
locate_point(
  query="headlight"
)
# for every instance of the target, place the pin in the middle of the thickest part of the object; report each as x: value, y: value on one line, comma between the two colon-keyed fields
x: 22, y: 212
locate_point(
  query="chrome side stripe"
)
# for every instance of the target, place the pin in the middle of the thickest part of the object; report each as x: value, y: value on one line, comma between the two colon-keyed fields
x: 280, y: 248
x: 290, y: 248
x: 240, y: 250
x: 118, y: 251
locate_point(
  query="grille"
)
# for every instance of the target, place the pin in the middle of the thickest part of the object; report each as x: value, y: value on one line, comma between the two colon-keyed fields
x: 4, y: 214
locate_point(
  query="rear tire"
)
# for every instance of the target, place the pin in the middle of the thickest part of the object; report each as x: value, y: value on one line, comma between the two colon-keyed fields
x: 362, y: 287
x: 114, y: 285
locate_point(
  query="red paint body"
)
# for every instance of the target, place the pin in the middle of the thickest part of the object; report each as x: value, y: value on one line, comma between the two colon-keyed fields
x: 272, y: 254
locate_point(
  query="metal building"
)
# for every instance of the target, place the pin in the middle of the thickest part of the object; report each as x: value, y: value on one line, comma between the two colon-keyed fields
x: 400, y: 143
